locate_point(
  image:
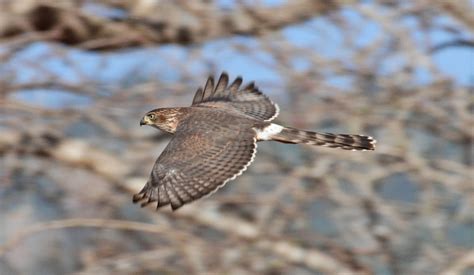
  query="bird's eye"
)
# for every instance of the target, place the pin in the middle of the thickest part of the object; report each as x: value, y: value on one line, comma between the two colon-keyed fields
x: 151, y: 116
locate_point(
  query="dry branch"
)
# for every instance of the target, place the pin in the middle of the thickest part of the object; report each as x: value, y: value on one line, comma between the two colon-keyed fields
x: 145, y: 24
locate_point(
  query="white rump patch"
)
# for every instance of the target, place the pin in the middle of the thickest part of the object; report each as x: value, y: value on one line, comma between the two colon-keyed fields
x: 268, y: 132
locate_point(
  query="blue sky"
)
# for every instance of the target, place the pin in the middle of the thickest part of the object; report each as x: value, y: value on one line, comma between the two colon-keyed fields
x: 149, y: 63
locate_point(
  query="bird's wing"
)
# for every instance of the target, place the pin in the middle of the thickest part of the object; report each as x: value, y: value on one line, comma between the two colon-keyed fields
x: 248, y: 100
x: 199, y: 159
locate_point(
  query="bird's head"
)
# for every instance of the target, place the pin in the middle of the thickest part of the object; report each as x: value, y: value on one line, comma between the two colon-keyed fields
x: 165, y: 119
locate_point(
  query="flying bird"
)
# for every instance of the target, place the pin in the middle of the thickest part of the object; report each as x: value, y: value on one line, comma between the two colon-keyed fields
x: 215, y: 140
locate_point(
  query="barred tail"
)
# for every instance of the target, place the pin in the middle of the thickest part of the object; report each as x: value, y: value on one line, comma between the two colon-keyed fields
x: 292, y: 135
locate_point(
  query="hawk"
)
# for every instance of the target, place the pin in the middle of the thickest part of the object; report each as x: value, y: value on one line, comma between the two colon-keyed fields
x: 215, y: 140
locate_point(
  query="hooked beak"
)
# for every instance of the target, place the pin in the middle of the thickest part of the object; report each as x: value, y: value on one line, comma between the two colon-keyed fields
x: 144, y: 121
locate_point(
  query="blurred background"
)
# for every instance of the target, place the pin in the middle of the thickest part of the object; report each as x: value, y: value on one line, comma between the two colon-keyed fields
x: 77, y: 76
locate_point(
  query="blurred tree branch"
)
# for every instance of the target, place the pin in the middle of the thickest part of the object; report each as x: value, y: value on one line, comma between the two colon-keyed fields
x: 148, y: 22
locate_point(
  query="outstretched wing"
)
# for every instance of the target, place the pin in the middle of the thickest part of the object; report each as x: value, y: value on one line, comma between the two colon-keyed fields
x: 198, y: 160
x: 248, y: 100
